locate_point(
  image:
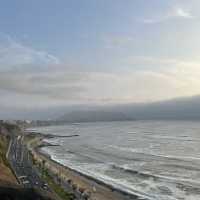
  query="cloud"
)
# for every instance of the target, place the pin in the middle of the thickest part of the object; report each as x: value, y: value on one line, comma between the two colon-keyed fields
x: 173, y: 13
x: 15, y: 56
x: 66, y: 87
x: 55, y: 85
x: 180, y: 12
x: 42, y: 81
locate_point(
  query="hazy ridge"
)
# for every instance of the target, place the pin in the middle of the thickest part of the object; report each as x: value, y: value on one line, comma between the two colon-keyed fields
x: 176, y: 109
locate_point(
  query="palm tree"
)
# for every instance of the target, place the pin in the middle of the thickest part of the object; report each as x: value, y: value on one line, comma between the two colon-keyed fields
x: 43, y: 167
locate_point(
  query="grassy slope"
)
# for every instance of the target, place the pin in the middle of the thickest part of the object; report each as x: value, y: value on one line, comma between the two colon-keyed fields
x: 5, y: 172
x: 56, y: 187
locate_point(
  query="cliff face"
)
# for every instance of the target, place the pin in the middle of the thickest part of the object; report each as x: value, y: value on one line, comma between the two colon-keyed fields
x: 5, y: 171
x: 6, y: 174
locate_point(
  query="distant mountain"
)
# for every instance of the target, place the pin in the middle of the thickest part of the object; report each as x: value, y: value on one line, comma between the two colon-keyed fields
x: 93, y: 116
x: 176, y: 109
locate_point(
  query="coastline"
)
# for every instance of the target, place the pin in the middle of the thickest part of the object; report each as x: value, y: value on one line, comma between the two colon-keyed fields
x: 98, y: 189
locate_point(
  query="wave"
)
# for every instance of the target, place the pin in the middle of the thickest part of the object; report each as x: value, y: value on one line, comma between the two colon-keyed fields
x: 119, y: 184
x: 178, y: 138
x: 142, y: 151
x: 147, y: 175
x: 90, y: 170
x: 97, y: 171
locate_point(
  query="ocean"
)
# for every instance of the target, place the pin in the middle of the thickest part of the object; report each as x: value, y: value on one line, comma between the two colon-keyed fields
x: 154, y: 159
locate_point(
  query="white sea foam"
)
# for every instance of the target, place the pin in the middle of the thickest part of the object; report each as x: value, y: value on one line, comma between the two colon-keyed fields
x: 88, y: 170
x: 99, y: 170
x: 151, y: 153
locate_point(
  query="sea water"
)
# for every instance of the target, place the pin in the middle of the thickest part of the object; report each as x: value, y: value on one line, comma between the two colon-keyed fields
x: 153, y: 159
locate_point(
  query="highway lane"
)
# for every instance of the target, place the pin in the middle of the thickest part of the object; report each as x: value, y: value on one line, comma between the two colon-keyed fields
x: 23, y: 166
x: 27, y: 174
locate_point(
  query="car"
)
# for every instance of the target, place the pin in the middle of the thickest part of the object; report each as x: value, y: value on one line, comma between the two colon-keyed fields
x: 45, y: 186
x: 25, y: 182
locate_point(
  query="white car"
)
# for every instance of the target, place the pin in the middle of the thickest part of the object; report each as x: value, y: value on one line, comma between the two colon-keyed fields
x: 25, y: 182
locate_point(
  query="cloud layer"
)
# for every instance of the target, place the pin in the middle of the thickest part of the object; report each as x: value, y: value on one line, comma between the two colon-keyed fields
x: 31, y: 78
x: 16, y: 56
x: 173, y: 13
x: 64, y: 87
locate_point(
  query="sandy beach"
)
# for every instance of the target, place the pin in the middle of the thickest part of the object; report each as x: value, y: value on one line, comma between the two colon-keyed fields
x: 97, y: 189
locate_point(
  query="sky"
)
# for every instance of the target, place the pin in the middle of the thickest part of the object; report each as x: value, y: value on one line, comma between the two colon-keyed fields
x: 97, y: 52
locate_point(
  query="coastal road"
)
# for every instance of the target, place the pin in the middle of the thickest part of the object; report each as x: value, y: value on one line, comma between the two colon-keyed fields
x: 22, y: 165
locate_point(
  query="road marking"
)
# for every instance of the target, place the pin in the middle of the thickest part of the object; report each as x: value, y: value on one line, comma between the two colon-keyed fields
x: 9, y: 147
x: 20, y: 177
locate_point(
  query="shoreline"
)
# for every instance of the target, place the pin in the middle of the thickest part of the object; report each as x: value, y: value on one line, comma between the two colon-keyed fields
x: 91, y: 178
x: 98, y: 189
